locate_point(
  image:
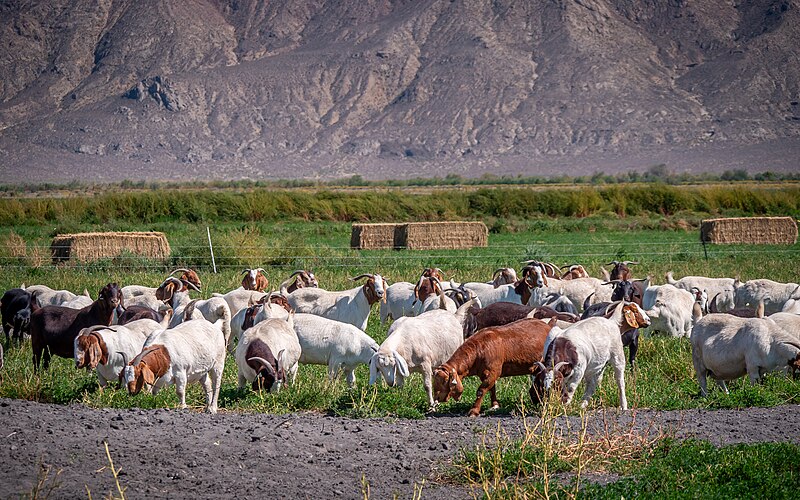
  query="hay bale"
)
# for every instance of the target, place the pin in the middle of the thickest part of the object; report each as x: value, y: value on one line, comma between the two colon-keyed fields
x: 443, y: 235
x: 87, y: 247
x: 373, y: 236
x: 750, y: 230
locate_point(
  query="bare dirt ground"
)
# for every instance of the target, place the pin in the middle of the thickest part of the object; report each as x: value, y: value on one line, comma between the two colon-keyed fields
x: 185, y: 454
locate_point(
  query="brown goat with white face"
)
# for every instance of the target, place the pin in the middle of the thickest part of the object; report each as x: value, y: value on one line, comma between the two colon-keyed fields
x: 255, y: 279
x: 575, y: 271
x: 304, y: 279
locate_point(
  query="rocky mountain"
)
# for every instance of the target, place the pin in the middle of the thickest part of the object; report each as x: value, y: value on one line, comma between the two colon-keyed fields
x: 103, y: 90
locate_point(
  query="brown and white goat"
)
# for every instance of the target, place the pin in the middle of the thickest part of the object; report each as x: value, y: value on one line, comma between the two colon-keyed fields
x: 574, y: 271
x: 255, y: 279
x: 303, y: 279
x: 348, y: 306
x: 54, y: 328
x: 492, y: 353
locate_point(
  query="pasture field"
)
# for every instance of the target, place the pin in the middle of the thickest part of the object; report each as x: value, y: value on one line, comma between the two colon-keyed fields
x: 664, y: 378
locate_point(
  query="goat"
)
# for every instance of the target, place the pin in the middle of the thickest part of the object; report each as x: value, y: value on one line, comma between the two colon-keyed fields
x: 728, y: 347
x: 492, y: 353
x: 146, y: 296
x: 80, y: 301
x: 107, y: 348
x: 504, y: 276
x: 621, y: 271
x: 269, y: 306
x: 15, y: 313
x: 255, y: 279
x: 742, y: 312
x: 549, y: 270
x: 459, y: 295
x: 518, y: 292
x: 193, y: 351
x: 774, y: 294
x: 497, y: 314
x: 240, y: 298
x: 135, y: 313
x: 399, y: 301
x: 576, y: 290
x: 630, y: 334
x: 183, y: 308
x: 46, y: 296
x: 721, y: 287
x: 255, y: 357
x: 670, y: 309
x: 337, y: 345
x: 418, y: 344
x: 574, y: 271
x: 584, y: 350
x: 304, y: 279
x: 348, y: 306
x: 53, y: 328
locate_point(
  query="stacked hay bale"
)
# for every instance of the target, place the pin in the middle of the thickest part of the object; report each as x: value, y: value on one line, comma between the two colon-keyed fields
x: 750, y: 230
x: 86, y: 247
x: 444, y: 235
x: 373, y: 236
x: 419, y: 235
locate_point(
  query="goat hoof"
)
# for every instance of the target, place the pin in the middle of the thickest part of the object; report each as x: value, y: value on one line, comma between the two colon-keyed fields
x: 474, y: 413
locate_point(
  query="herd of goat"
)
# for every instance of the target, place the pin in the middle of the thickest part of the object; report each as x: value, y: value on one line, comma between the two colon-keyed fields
x: 557, y: 327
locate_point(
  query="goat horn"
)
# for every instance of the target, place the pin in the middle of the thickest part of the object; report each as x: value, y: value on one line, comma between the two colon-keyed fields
x: 260, y: 360
x: 611, y: 282
x: 191, y: 285
x: 630, y: 263
x: 541, y: 366
x: 179, y: 270
x: 295, y: 273
x: 360, y: 276
x: 559, y: 365
x: 261, y: 269
x: 247, y: 270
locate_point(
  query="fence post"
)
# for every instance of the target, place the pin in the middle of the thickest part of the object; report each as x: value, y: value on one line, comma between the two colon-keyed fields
x: 214, y: 264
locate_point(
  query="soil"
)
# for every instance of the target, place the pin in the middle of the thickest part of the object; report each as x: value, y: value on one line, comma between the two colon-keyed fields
x: 186, y: 454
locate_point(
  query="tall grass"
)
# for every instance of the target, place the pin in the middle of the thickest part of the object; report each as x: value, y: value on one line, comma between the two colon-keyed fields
x: 396, y: 205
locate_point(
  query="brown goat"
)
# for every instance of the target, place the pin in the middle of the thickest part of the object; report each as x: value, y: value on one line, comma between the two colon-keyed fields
x: 492, y: 353
x: 497, y: 314
x: 621, y: 271
x: 54, y: 328
x: 255, y: 279
x: 575, y: 271
x: 147, y: 367
x: 188, y: 276
x: 305, y: 279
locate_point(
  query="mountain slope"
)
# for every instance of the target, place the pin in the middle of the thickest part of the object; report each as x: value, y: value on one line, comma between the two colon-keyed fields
x: 113, y: 89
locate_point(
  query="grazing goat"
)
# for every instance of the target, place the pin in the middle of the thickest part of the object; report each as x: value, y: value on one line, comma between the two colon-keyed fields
x: 193, y: 351
x: 584, y: 350
x: 492, y: 353
x: 348, y: 306
x: 53, y: 328
x: 418, y: 345
x: 774, y: 295
x: 722, y: 288
x: 305, y: 279
x: 337, y: 345
x: 108, y: 348
x: 256, y: 359
x: 15, y: 313
x: 255, y: 279
x: 727, y: 347
x: 670, y: 309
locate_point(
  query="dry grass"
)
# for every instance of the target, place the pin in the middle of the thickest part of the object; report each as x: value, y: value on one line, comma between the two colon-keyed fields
x: 444, y: 235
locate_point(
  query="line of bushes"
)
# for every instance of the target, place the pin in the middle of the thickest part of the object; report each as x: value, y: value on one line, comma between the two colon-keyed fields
x: 393, y: 205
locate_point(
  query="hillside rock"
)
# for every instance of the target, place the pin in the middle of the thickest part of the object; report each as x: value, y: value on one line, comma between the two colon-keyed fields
x: 395, y: 88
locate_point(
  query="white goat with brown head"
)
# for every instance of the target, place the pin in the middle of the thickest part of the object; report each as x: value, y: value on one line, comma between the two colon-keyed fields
x: 255, y: 279
x: 348, y: 306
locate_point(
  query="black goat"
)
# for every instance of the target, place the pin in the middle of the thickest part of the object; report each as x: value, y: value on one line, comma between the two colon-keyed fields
x: 15, y: 313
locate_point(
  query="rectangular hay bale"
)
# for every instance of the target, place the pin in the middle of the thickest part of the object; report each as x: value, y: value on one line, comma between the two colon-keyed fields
x: 444, y: 235
x: 750, y: 230
x: 373, y: 236
x: 87, y: 247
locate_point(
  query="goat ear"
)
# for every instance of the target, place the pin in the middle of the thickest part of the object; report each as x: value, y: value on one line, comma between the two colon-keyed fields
x: 373, y: 369
x: 147, y: 375
x: 630, y: 317
x: 401, y: 364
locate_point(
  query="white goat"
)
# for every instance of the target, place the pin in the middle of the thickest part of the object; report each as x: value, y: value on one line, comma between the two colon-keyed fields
x: 775, y: 295
x: 582, y: 351
x: 348, y: 306
x: 273, y: 338
x: 722, y: 288
x: 108, y: 348
x: 193, y: 351
x: 80, y: 301
x: 489, y: 294
x: 728, y: 347
x: 184, y: 308
x: 46, y: 296
x: 576, y: 290
x: 339, y: 346
x: 671, y: 309
x: 418, y: 344
x: 240, y: 299
x: 399, y: 301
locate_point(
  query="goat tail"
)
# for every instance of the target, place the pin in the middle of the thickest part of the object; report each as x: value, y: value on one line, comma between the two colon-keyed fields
x: 226, y: 321
x: 670, y: 279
